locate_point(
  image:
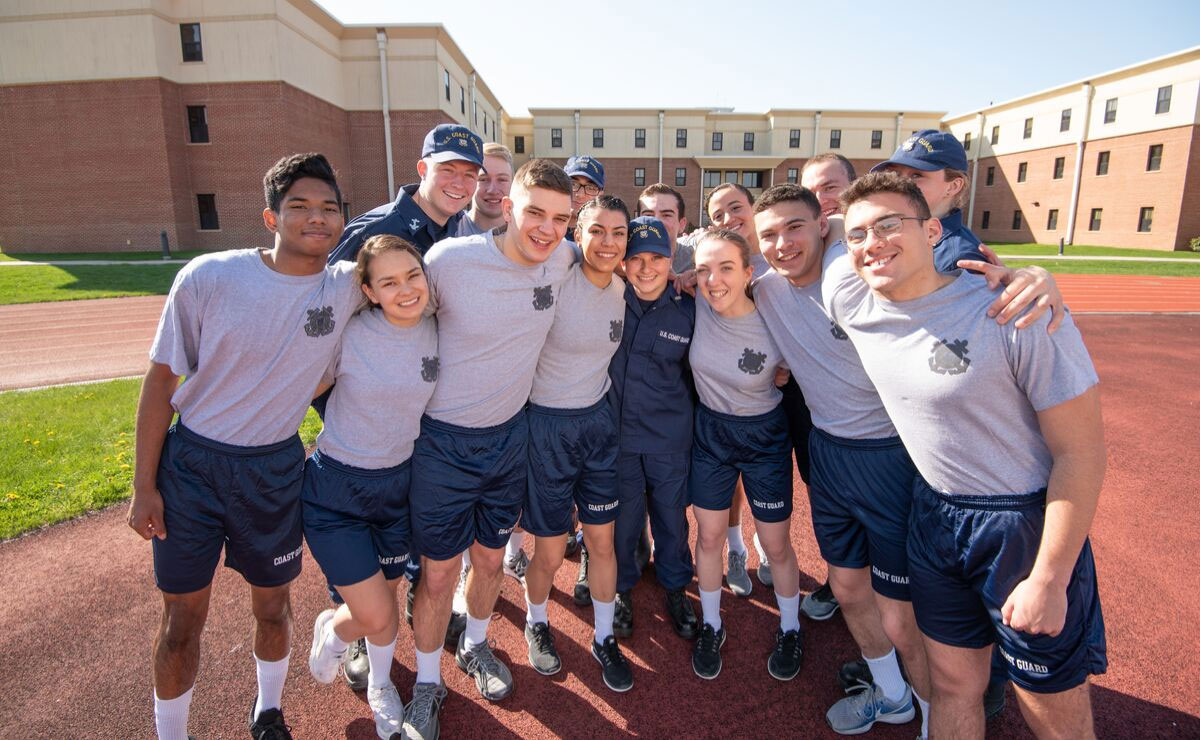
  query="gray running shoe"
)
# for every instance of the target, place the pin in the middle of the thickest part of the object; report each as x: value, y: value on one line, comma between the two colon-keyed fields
x: 543, y: 656
x: 517, y: 566
x: 492, y: 677
x: 859, y: 712
x: 421, y: 717
x: 820, y: 604
x: 388, y: 710
x: 764, y: 565
x: 736, y: 577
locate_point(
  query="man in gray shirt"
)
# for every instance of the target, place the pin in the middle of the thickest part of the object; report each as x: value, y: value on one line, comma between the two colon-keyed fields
x: 495, y: 180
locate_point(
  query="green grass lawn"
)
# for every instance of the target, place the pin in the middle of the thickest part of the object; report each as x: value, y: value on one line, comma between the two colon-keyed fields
x: 71, y: 256
x: 34, y: 283
x: 1083, y: 250
x: 69, y: 450
x: 1089, y: 267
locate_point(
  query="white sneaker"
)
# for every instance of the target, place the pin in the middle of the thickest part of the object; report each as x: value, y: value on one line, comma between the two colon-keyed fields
x: 388, y: 710
x: 460, y: 591
x: 323, y: 663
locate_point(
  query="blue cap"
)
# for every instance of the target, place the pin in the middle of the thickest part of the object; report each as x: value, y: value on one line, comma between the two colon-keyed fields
x: 929, y: 150
x: 449, y: 141
x: 589, y: 167
x: 647, y: 234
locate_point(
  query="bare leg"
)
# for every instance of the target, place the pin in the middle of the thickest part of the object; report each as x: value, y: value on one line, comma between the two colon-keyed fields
x: 539, y: 576
x: 776, y: 540
x: 370, y: 611
x: 602, y: 560
x: 435, y: 594
x: 959, y: 677
x: 710, y: 544
x: 177, y: 644
x: 272, y: 609
x: 1067, y: 714
x: 852, y: 587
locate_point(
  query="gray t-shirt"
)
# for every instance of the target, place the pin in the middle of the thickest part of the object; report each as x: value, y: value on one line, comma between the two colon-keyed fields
x: 841, y: 397
x: 572, y: 371
x: 467, y: 227
x: 385, y: 375
x: 733, y: 362
x: 493, y: 318
x: 963, y: 391
x: 684, y: 258
x: 252, y: 342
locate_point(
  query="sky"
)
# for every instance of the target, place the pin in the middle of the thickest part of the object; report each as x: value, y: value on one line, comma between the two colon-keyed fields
x: 754, y: 55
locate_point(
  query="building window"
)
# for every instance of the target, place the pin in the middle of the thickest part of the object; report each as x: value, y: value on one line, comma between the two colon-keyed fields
x: 597, y: 138
x: 995, y: 135
x: 794, y: 138
x: 731, y: 176
x: 207, y: 203
x: 1110, y: 110
x: 1162, y: 105
x: 793, y: 175
x: 752, y: 179
x: 835, y: 138
x: 189, y: 34
x: 639, y: 176
x: 877, y: 139
x: 991, y: 176
x: 681, y: 138
x: 966, y: 140
x: 446, y: 82
x: 475, y: 110
x: 485, y: 124
x: 1154, y: 158
x: 639, y: 138
x: 519, y: 144
x: 197, y: 124
x: 556, y: 138
x: 1022, y: 171
x: 1060, y: 166
x: 1016, y: 220
x: 1064, y: 123
x: 680, y: 176
x: 748, y: 141
x: 986, y: 221
x: 1094, y: 222
x: 712, y: 178
x: 462, y: 100
x: 1145, y: 219
x: 1028, y: 129
x: 718, y: 141
x: 1102, y: 163
x: 1052, y: 219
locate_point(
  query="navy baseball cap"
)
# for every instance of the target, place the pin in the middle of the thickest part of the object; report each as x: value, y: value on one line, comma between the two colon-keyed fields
x: 647, y: 234
x: 587, y: 166
x: 449, y: 141
x: 929, y: 150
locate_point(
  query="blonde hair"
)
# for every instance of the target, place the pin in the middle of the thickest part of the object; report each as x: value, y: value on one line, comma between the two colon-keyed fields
x: 491, y: 149
x: 375, y: 246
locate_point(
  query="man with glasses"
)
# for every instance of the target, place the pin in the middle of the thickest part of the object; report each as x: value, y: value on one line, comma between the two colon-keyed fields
x: 587, y: 178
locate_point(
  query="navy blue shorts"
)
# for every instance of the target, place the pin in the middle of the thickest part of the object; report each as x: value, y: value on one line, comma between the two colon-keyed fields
x: 356, y: 519
x: 757, y: 448
x: 467, y: 485
x: 861, y: 496
x: 245, y: 499
x: 967, y: 553
x: 572, y: 464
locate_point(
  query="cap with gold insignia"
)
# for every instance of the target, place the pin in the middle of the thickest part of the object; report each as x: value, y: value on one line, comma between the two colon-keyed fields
x: 928, y: 150
x: 449, y: 141
x: 647, y: 234
x: 588, y: 167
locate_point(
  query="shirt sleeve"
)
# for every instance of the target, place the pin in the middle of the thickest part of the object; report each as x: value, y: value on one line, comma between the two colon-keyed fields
x: 842, y: 290
x: 1050, y: 368
x: 177, y: 341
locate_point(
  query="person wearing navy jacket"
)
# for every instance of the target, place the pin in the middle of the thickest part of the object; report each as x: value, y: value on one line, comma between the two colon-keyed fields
x: 653, y: 394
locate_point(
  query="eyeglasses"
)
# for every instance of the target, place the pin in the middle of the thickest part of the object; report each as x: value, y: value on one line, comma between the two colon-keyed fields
x: 590, y: 189
x: 884, y: 228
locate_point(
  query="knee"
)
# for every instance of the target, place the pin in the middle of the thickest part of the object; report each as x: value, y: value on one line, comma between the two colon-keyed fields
x: 440, y: 577
x: 711, y: 539
x: 374, y: 621
x: 180, y: 633
x: 487, y: 562
x: 779, y: 551
x: 901, y: 630
x: 276, y: 610
x: 547, y: 557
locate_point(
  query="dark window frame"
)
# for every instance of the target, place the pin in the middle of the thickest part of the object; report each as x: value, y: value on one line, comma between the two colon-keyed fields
x: 1145, y: 219
x: 794, y: 138
x: 446, y: 82
x: 681, y: 177
x: 198, y: 124
x: 718, y: 141
x: 990, y: 177
x: 995, y: 135
x: 1095, y: 219
x: 556, y: 138
x: 1027, y: 132
x: 1162, y: 103
x: 1052, y: 219
x: 209, y: 218
x: 597, y: 138
x: 714, y: 176
x: 1103, y: 161
x: 1110, y: 110
x: 193, y: 48
x: 966, y: 141
x: 835, y: 138
x: 1060, y: 168
x: 639, y: 176
x: 681, y: 138
x: 985, y: 221
x: 1154, y: 154
x: 518, y: 144
x: 1022, y: 171
x: 1064, y: 120
x: 748, y: 141
x: 793, y: 175
x: 639, y: 138
x: 1017, y: 220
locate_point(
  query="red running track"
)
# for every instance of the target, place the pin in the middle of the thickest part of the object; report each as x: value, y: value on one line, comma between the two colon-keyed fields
x: 80, y: 609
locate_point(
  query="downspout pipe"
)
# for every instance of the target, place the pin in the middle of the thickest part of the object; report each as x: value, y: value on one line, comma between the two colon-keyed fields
x: 381, y: 40
x: 576, y: 133
x: 816, y: 132
x: 661, y: 116
x: 975, y: 168
x: 1077, y: 177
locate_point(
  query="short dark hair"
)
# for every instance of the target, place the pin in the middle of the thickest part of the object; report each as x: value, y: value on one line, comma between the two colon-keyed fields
x: 604, y: 202
x: 284, y: 174
x: 885, y: 182
x: 831, y: 157
x: 542, y: 173
x: 660, y: 188
x: 725, y: 186
x: 789, y: 193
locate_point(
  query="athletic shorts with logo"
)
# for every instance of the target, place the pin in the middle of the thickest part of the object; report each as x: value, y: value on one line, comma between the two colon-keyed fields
x: 861, y: 497
x: 243, y: 499
x: 967, y: 553
x: 757, y: 448
x: 572, y: 466
x: 468, y: 485
x: 356, y: 520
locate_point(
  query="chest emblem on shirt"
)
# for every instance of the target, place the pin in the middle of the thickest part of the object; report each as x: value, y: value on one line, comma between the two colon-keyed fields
x: 837, y: 331
x: 949, y: 358
x: 429, y: 369
x: 414, y: 225
x: 614, y: 330
x: 543, y: 297
x: 751, y: 362
x: 320, y: 321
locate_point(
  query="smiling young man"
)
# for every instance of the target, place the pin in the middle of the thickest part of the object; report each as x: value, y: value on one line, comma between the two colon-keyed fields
x: 666, y: 204
x: 587, y: 178
x: 827, y: 175
x: 1005, y: 431
x: 487, y: 206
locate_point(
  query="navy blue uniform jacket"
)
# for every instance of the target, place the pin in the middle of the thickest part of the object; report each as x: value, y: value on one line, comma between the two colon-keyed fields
x: 403, y: 218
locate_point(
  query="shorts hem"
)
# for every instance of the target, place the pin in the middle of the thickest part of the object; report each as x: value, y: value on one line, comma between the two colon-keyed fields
x: 969, y: 644
x: 185, y: 589
x: 771, y: 520
x: 1056, y: 688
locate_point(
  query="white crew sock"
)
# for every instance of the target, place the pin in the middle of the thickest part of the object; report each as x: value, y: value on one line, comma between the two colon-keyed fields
x: 466, y: 559
x: 513, y: 548
x: 789, y: 611
x: 762, y: 554
x: 379, y: 657
x: 333, y: 643
x: 535, y: 613
x: 271, y: 675
x: 476, y: 632
x: 924, y: 716
x: 429, y: 667
x: 710, y: 607
x: 736, y: 543
x: 602, y: 618
x: 171, y: 716
x: 886, y: 671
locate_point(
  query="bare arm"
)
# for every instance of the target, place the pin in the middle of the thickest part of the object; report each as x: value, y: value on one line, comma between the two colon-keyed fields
x: 153, y: 417
x: 1074, y: 432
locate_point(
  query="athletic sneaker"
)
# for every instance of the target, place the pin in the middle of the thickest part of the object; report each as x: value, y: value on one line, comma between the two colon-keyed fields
x: 388, y: 709
x: 356, y: 667
x: 855, y: 676
x: 764, y: 566
x: 859, y: 712
x: 421, y: 717
x: 820, y: 604
x: 516, y: 566
x: 323, y: 663
x: 573, y: 544
x: 706, y: 654
x: 683, y: 616
x: 623, y: 615
x: 617, y: 674
x: 542, y: 654
x: 458, y: 609
x: 269, y: 724
x: 583, y: 592
x: 736, y: 576
x: 492, y: 677
x: 641, y: 553
x: 993, y: 698
x: 784, y: 662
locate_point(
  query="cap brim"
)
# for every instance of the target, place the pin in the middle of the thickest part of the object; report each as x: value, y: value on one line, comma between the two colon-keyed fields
x: 652, y: 248
x: 583, y: 173
x: 914, y: 162
x: 452, y: 157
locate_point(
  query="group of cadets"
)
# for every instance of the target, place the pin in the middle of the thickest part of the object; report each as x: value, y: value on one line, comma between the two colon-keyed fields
x: 502, y: 355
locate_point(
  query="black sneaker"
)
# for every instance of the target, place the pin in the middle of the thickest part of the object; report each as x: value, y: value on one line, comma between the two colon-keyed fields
x: 269, y: 724
x: 993, y: 698
x: 820, y: 604
x: 618, y: 676
x: 573, y: 544
x: 784, y: 662
x: 641, y: 553
x: 357, y: 668
x: 623, y: 615
x: 683, y: 616
x: 542, y: 654
x: 855, y: 676
x: 706, y: 654
x: 583, y: 592
x: 456, y: 626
